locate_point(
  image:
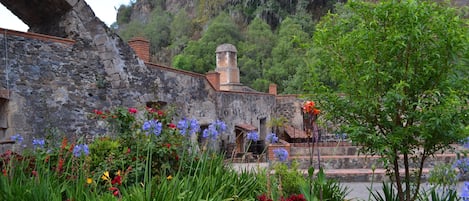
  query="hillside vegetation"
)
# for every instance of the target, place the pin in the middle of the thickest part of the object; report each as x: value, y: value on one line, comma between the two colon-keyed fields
x: 269, y: 35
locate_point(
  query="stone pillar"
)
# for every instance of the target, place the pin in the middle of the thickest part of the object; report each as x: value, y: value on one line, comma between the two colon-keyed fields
x: 273, y: 89
x: 227, y: 64
x: 214, y: 79
x: 141, y: 46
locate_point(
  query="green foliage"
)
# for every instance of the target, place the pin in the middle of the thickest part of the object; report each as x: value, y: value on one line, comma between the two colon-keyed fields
x: 287, y: 54
x: 289, y: 177
x: 434, y: 195
x: 132, y: 29
x: 395, y: 64
x: 256, y: 55
x: 124, y: 13
x: 198, y: 56
x: 157, y: 30
x: 388, y: 193
x: 181, y: 30
x: 321, y: 188
x: 444, y: 176
x: 139, y: 164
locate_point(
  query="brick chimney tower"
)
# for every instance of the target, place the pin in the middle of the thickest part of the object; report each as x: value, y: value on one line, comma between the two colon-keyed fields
x: 227, y: 66
x: 141, y: 46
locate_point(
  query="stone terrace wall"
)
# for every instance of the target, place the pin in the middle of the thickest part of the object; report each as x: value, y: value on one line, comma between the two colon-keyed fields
x: 57, y: 83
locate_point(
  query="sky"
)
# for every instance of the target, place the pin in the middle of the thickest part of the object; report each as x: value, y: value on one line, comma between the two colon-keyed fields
x: 106, y: 10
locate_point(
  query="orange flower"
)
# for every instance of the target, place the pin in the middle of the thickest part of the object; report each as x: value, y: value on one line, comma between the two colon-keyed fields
x: 316, y: 111
x: 308, y: 106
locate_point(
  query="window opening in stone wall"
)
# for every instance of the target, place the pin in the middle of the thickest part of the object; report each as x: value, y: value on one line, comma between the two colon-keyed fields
x: 200, y: 139
x: 3, y: 117
x: 4, y: 125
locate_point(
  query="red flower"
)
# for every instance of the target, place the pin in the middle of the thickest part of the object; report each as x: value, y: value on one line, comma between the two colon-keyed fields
x: 117, y: 180
x: 132, y: 110
x: 294, y: 197
x: 263, y: 197
x: 177, y: 157
x: 168, y: 145
x: 128, y: 150
x: 115, y: 191
x: 172, y: 126
x: 160, y: 113
x: 4, y: 171
x: 98, y: 112
x: 60, y: 165
x: 34, y: 172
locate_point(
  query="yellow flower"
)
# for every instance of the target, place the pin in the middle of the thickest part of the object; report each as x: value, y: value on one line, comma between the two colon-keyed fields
x: 118, y: 173
x: 89, y: 180
x: 105, y: 176
x: 169, y: 177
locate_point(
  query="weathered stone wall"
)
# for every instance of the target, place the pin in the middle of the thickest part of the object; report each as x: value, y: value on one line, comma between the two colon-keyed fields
x: 289, y: 106
x: 244, y: 108
x: 58, y: 83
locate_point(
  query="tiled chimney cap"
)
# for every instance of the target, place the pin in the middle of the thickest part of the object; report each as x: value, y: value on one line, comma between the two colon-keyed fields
x: 226, y: 48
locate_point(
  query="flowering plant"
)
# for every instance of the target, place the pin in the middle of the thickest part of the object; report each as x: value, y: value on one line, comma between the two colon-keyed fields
x: 309, y: 108
x: 272, y: 138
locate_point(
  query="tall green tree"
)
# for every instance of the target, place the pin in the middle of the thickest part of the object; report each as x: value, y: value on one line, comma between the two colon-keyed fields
x: 181, y: 30
x: 255, y: 55
x: 396, y: 64
x: 199, y: 56
x: 157, y: 30
x: 288, y: 53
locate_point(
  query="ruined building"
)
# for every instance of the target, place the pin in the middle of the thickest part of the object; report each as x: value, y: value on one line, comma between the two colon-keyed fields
x: 71, y: 63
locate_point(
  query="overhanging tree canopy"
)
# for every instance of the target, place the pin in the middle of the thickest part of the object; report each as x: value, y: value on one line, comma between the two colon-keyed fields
x: 401, y: 72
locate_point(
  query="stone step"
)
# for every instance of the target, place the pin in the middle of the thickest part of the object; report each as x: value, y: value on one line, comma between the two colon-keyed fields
x: 362, y: 175
x: 302, y: 149
x: 361, y: 161
x: 343, y: 175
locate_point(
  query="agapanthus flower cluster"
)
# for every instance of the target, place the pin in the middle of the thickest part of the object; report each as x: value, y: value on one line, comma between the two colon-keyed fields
x: 39, y: 143
x: 281, y: 154
x: 253, y: 135
x: 465, y: 192
x: 188, y: 126
x: 214, y: 129
x: 81, y: 150
x: 17, y: 138
x: 272, y: 138
x: 152, y: 126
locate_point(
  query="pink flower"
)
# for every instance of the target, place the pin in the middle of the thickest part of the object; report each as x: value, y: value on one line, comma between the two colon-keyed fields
x: 133, y: 110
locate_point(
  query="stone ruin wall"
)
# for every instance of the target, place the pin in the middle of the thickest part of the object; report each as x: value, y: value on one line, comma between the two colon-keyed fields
x: 58, y: 83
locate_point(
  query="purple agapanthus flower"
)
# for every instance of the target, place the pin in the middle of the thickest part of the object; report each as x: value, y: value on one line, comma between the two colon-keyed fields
x: 220, y: 126
x: 463, y: 165
x: 253, y: 135
x: 81, y: 150
x: 17, y: 138
x: 188, y: 127
x: 214, y: 130
x: 281, y: 154
x: 39, y: 143
x: 465, y: 192
x: 272, y: 138
x: 152, y: 126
